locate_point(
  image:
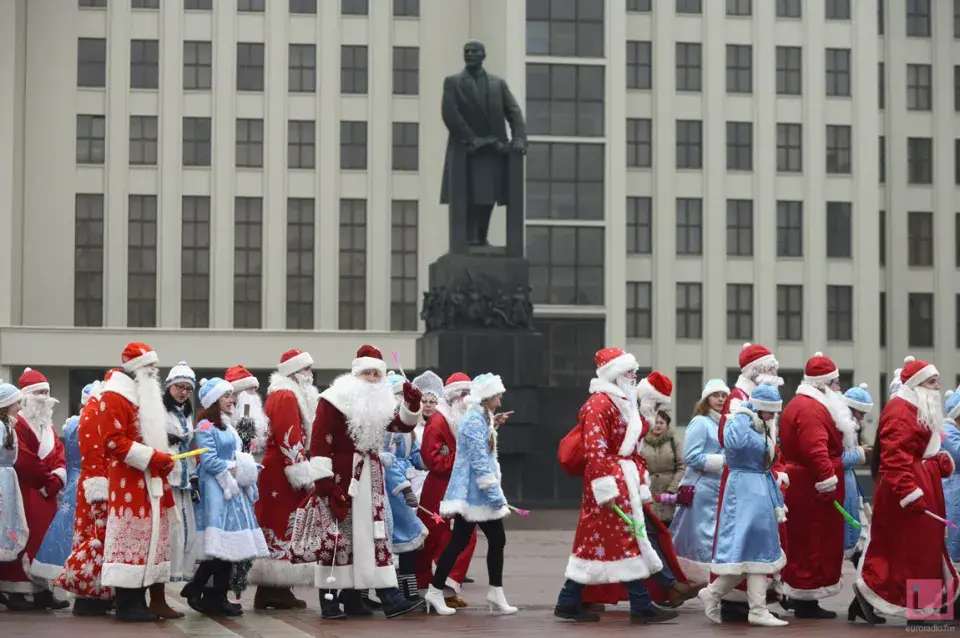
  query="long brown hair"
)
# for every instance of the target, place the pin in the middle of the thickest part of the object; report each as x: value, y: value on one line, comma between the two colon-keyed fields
x: 213, y: 415
x: 702, y: 408
x: 5, y: 419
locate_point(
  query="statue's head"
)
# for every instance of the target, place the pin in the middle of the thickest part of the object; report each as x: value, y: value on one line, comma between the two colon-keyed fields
x: 474, y: 53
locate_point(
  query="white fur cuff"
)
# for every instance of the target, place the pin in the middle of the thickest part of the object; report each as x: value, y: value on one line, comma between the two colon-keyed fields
x: 781, y: 513
x: 228, y: 484
x: 712, y: 463
x: 354, y: 488
x: 487, y: 481
x: 387, y: 459
x: 138, y: 456
x: 321, y: 467
x: 863, y: 455
x: 298, y: 475
x: 827, y: 485
x: 911, y: 497
x: 645, y: 495
x: 396, y: 491
x: 604, y: 489
x: 408, y: 417
x: 61, y: 474
x: 783, y: 479
x: 246, y: 470
x: 95, y: 489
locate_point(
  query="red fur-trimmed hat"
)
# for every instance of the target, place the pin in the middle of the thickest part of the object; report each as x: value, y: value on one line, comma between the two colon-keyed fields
x: 241, y: 379
x: 914, y: 372
x: 613, y: 363
x: 138, y: 355
x: 368, y: 358
x: 754, y: 357
x: 456, y: 383
x: 293, y: 361
x: 33, y: 381
x: 820, y: 369
x: 657, y: 386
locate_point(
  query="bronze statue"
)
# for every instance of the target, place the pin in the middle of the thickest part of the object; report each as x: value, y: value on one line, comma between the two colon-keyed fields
x: 476, y: 107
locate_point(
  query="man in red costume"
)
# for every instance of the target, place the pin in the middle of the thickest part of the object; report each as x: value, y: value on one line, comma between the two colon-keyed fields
x: 904, y: 543
x: 813, y: 429
x: 136, y: 551
x: 42, y: 472
x: 353, y: 417
x: 438, y: 451
x: 285, y: 481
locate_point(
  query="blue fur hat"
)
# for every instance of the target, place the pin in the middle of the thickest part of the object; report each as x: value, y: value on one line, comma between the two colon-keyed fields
x: 766, y: 398
x: 953, y: 404
x: 212, y: 389
x: 87, y: 393
x: 396, y: 381
x: 859, y: 399
x: 9, y: 394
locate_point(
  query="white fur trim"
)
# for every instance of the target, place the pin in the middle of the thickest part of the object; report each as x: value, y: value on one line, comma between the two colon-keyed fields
x: 361, y: 364
x: 245, y: 383
x: 96, y: 489
x: 598, y: 572
x: 134, y: 576
x: 228, y: 484
x: 646, y: 496
x: 781, y: 514
x: 213, y: 395
x: 487, y: 481
x: 146, y: 359
x: 45, y: 571
x: 615, y: 368
x: 298, y: 475
x: 712, y: 463
x: 783, y: 479
x: 399, y: 488
x: 295, y: 364
x: 767, y: 406
x: 712, y: 387
x: 866, y: 408
x: 411, y: 545
x: 61, y: 474
x: 811, y: 594
x: 234, y: 546
x: 247, y: 472
x: 124, y: 386
x: 827, y: 485
x: 282, y: 573
x: 472, y: 513
x: 823, y: 378
x: 889, y: 609
x: 753, y: 368
x: 490, y: 387
x: 281, y: 383
x: 455, y: 388
x: 923, y: 374
x: 354, y: 488
x: 862, y: 454
x: 35, y: 387
x: 749, y: 567
x: 138, y: 456
x: 321, y: 467
x: 408, y: 417
x: 372, y: 577
x: 646, y: 389
x: 604, y: 489
x: 911, y: 497
x: 697, y: 573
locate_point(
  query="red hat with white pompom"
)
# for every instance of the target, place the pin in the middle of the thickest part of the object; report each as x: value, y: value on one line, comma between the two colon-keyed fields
x: 820, y: 369
x: 915, y: 372
x: 32, y: 381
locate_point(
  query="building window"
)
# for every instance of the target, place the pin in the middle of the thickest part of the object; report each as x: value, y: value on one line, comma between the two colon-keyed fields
x: 353, y: 69
x: 565, y: 29
x: 250, y: 66
x: 838, y: 72
x: 919, y: 87
x: 956, y: 32
x: 353, y: 264
x: 740, y: 146
x: 406, y: 8
x: 689, y: 144
x: 196, y: 141
x: 406, y: 70
x: 639, y: 310
x: 839, y: 153
x: 570, y: 344
x: 143, y: 140
x: 353, y: 145
x: 882, y: 85
x: 789, y: 8
x: 406, y: 146
x: 566, y: 265
x: 921, y: 319
x: 689, y: 311
x: 249, y: 149
x: 639, y: 226
x: 300, y: 266
x: 918, y: 18
x: 956, y: 161
x: 689, y: 66
x: 195, y: 263
x: 301, y: 144
x: 92, y: 63
x: 789, y: 229
x: 839, y: 313
x: 565, y: 181
x: 93, y: 4
x: 882, y: 235
x: 639, y: 6
x: 302, y: 68
x: 142, y: 261
x: 688, y: 6
x: 198, y: 5
x: 91, y: 136
x: 920, y: 239
x: 689, y: 385
x: 565, y: 100
x: 251, y: 6
x: 689, y: 226
x: 739, y: 68
x: 789, y: 313
x: 789, y: 70
x: 789, y: 148
x: 882, y: 156
x: 354, y: 7
x: 956, y: 239
x: 303, y: 6
x: 920, y: 160
x: 956, y: 314
x: 739, y: 8
x: 839, y: 230
x: 248, y: 262
x: 404, y: 227
x: 88, y: 261
x: 740, y: 312
x: 883, y: 320
x: 197, y: 65
x: 838, y: 10
x: 956, y: 88
x: 739, y: 227
x: 144, y: 64
x: 639, y: 143
x: 639, y: 64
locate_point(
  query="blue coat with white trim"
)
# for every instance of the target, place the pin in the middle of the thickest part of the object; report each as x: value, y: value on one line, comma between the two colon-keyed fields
x: 474, y: 491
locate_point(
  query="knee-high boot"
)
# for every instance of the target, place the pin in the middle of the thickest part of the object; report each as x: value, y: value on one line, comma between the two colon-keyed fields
x: 757, y: 600
x: 158, y: 603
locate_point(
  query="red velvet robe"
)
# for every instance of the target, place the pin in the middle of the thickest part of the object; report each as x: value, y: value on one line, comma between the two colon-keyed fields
x: 436, y: 435
x: 904, y: 545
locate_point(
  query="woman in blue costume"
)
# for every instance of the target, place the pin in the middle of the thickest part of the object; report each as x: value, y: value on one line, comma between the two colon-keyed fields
x: 951, y: 485
x: 693, y: 527
x: 860, y: 402
x: 748, y: 539
x: 58, y: 540
x: 13, y: 520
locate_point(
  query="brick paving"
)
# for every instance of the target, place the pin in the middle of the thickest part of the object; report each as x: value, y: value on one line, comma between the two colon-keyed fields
x: 537, y: 549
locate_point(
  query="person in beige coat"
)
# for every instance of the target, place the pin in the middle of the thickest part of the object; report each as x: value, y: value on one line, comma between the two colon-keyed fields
x: 664, y: 456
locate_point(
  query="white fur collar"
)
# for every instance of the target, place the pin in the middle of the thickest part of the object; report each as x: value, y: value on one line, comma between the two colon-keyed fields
x: 367, y: 415
x: 124, y: 386
x: 629, y: 411
x: 840, y: 414
x: 278, y: 383
x: 447, y: 413
x: 151, y: 419
x: 908, y: 394
x: 745, y: 384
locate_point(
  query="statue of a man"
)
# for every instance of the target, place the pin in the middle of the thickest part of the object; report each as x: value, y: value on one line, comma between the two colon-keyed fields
x: 476, y: 107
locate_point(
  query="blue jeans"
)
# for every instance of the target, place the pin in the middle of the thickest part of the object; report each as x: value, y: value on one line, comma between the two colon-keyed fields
x: 571, y: 595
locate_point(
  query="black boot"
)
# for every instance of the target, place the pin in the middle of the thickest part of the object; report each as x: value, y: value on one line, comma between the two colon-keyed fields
x: 576, y: 614
x: 329, y: 607
x: 219, y: 605
x: 132, y: 606
x: 395, y: 605
x: 369, y: 602
x: 811, y: 609
x: 855, y: 559
x: 46, y: 600
x: 353, y: 604
x: 90, y: 607
x: 651, y: 615
x: 18, y: 602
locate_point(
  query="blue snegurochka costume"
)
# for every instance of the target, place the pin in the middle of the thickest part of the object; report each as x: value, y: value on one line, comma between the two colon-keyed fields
x: 951, y: 485
x: 857, y: 398
x: 400, y: 457
x: 13, y: 520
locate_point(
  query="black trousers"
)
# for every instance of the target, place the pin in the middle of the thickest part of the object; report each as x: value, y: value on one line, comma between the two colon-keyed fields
x: 408, y: 562
x: 460, y: 538
x: 221, y: 571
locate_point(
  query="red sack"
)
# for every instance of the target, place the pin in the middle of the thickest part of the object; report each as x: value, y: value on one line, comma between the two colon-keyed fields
x: 570, y: 453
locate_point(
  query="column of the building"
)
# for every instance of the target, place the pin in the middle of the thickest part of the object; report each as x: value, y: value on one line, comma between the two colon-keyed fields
x: 13, y: 24
x: 764, y: 175
x: 274, y: 253
x: 379, y: 171
x: 615, y: 175
x: 326, y: 283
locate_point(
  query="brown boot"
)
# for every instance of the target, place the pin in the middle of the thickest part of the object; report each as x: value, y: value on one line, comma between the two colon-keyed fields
x: 682, y: 592
x: 292, y: 601
x: 273, y: 598
x: 158, y: 603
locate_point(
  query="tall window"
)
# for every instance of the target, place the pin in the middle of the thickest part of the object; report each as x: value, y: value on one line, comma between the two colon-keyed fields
x: 248, y: 263
x: 195, y: 262
x: 689, y: 144
x: 353, y: 69
x: 740, y: 146
x: 143, y: 140
x: 565, y: 181
x: 740, y: 312
x: 142, y: 261
x: 689, y: 310
x: 789, y: 229
x: 569, y: 346
x: 739, y: 68
x: 789, y: 70
x: 789, y: 313
x: 566, y: 29
x: 354, y: 7
x: 91, y: 62
x: 839, y: 313
x: 689, y: 66
x: 882, y: 235
x: 838, y: 72
x: 302, y: 68
x: 639, y: 142
x: 789, y: 148
x: 88, y: 261
x: 301, y: 144
x: 639, y: 310
x: 197, y: 65
x: 739, y: 227
x: 839, y: 149
x: 839, y: 230
x: 353, y: 264
x: 789, y: 8
x: 565, y: 100
x: 838, y: 10
x: 249, y: 143
x: 196, y: 141
x: 882, y: 85
x: 406, y: 146
x: 920, y: 319
x: 403, y: 264
x: 920, y: 160
x: 250, y: 66
x: 639, y: 225
x: 144, y: 64
x: 689, y: 226
x: 406, y: 70
x: 883, y: 321
x: 91, y: 139
x: 566, y: 265
x: 882, y: 148
x: 919, y: 87
x: 300, y: 263
x: 918, y: 18
x: 639, y: 64
x: 353, y: 145
x: 406, y: 8
x: 920, y: 239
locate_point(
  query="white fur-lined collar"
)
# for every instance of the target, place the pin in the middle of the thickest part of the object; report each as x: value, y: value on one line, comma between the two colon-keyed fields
x: 745, y: 384
x: 279, y: 383
x: 447, y: 413
x: 629, y: 411
x: 755, y: 421
x: 123, y: 385
x: 843, y: 421
x: 909, y: 395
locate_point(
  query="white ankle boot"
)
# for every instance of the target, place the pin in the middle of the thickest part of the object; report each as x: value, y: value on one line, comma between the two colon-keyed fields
x: 711, y: 604
x: 757, y: 599
x: 497, y: 599
x: 434, y: 598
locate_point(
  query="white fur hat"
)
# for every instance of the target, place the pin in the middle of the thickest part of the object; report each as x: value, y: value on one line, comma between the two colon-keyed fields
x: 712, y: 387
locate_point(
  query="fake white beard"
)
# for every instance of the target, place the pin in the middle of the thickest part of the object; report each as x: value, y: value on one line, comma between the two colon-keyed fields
x: 842, y: 417
x: 371, y: 407
x: 648, y: 410
x: 768, y: 379
x: 628, y: 387
x: 151, y: 414
x: 38, y: 410
x: 310, y: 391
x: 458, y: 407
x: 255, y: 403
x: 929, y: 409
